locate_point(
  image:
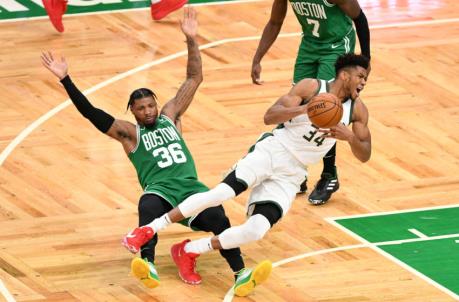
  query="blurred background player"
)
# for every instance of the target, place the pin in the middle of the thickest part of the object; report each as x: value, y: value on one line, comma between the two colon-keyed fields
x: 327, y: 34
x: 159, y: 9
x: 164, y: 165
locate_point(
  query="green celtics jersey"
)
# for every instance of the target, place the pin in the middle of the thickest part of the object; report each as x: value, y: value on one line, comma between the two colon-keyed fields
x: 321, y: 21
x: 163, y: 162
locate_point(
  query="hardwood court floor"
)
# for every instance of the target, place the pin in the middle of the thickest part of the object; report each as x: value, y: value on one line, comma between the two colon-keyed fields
x: 68, y: 193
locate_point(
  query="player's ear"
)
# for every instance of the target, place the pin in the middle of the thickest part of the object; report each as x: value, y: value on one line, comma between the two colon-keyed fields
x: 344, y: 75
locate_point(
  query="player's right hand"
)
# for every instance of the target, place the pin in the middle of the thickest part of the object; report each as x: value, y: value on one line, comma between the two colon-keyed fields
x: 58, y: 67
x: 256, y: 70
x: 189, y: 23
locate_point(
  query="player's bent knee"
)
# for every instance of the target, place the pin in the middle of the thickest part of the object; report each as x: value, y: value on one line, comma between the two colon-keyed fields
x: 257, y: 226
x: 253, y: 229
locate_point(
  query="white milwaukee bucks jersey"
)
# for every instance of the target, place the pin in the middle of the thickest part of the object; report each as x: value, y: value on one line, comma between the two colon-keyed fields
x: 303, y: 139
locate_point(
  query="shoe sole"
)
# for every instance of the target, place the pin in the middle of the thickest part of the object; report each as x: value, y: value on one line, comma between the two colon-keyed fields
x: 259, y: 275
x: 318, y: 202
x: 141, y: 271
x: 173, y: 253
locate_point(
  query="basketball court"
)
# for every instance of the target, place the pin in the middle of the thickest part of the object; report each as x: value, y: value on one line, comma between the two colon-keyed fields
x: 68, y: 194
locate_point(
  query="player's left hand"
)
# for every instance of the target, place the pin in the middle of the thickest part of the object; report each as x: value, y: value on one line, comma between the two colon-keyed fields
x: 189, y: 24
x: 339, y: 131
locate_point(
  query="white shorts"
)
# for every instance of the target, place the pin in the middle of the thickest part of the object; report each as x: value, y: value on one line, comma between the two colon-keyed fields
x: 273, y: 173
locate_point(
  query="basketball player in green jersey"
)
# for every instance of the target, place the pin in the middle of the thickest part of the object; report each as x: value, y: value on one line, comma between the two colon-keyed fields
x: 164, y: 165
x: 327, y: 34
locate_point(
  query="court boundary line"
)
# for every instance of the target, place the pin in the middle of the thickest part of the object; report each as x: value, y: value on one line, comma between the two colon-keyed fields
x: 4, y: 291
x: 43, y: 118
x: 395, y: 212
x: 375, y: 247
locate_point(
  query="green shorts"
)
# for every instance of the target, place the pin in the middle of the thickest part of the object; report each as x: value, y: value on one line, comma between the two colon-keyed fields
x: 317, y: 60
x: 175, y: 191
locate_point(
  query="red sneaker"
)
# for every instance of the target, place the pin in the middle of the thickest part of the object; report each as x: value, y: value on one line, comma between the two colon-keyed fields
x: 186, y: 263
x: 136, y: 238
x: 165, y: 7
x: 55, y: 10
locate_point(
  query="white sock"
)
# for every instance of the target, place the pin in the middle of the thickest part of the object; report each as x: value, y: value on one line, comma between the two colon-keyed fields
x: 199, y: 246
x: 160, y: 223
x: 155, y: 1
x: 197, y: 203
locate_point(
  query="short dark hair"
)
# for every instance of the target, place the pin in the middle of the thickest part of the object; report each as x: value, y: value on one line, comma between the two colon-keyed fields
x: 138, y: 94
x: 351, y: 60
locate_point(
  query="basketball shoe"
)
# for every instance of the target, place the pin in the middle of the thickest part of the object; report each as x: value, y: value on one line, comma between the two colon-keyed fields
x: 163, y: 8
x: 55, y: 10
x: 136, y: 238
x: 186, y: 263
x: 325, y: 187
x: 145, y: 271
x: 303, y: 187
x: 247, y: 279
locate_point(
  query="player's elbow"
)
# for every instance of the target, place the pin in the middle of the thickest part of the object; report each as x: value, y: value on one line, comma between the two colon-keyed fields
x: 365, y: 157
x: 196, y: 77
x: 268, y: 119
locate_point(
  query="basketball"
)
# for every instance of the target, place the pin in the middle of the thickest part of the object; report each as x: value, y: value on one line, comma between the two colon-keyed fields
x: 325, y: 110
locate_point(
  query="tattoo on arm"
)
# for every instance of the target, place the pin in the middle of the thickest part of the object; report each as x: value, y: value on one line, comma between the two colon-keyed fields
x: 185, y: 94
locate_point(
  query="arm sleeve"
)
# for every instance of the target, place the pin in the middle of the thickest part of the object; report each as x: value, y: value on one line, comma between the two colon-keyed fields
x: 363, y: 32
x: 99, y: 118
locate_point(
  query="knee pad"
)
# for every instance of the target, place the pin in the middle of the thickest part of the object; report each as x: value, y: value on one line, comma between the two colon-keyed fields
x: 256, y: 227
x: 253, y: 229
x: 235, y: 184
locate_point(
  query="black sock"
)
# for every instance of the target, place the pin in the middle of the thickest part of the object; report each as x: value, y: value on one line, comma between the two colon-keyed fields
x: 329, y: 161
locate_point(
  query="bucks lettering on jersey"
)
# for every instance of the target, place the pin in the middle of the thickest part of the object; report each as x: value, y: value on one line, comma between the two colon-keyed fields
x: 321, y: 21
x: 303, y: 139
x: 161, y: 156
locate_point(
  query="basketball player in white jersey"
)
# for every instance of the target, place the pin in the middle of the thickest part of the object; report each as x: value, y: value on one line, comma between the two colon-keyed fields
x: 275, y: 167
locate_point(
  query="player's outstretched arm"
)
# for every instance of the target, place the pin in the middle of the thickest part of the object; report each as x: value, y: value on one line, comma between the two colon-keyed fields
x: 270, y: 33
x: 122, y: 131
x: 290, y: 105
x: 178, y: 105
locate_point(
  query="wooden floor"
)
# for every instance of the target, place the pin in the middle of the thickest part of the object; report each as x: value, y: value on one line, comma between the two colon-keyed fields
x: 68, y: 193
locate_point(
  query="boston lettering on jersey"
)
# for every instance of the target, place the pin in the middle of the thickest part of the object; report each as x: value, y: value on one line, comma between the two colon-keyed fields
x: 159, y: 137
x: 309, y: 10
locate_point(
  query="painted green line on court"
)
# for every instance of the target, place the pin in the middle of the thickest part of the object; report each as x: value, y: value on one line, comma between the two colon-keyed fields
x: 436, y: 259
x: 14, y: 9
x: 389, y: 227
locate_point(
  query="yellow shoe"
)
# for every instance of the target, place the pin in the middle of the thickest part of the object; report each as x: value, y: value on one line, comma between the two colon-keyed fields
x: 145, y: 271
x: 247, y: 279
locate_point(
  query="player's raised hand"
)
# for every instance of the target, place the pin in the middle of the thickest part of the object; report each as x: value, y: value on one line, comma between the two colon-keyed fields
x: 58, y: 67
x: 189, y: 23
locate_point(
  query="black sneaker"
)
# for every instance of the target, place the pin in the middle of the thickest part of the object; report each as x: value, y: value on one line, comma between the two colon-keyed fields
x: 325, y: 187
x: 303, y: 187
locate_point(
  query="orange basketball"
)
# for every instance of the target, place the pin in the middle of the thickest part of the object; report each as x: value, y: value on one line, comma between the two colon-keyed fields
x: 325, y: 110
